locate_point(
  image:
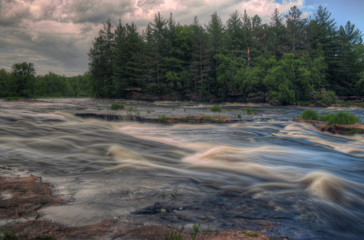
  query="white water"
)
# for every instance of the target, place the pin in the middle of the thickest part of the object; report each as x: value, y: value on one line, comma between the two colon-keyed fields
x: 263, y: 169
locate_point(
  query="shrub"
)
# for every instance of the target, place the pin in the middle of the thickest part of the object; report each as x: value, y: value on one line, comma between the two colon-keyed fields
x: 327, y: 117
x: 343, y: 118
x: 11, y: 98
x: 162, y: 118
x: 248, y: 111
x: 216, y: 108
x: 116, y: 106
x: 350, y: 104
x: 208, y: 118
x: 310, y: 114
x: 329, y: 97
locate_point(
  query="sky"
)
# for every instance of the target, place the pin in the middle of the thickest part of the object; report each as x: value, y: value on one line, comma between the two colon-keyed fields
x: 56, y: 35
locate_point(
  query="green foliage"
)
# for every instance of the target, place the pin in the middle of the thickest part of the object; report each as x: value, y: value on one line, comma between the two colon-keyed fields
x: 248, y: 111
x: 175, y: 235
x: 251, y: 234
x: 238, y: 115
x: 23, y: 79
x: 327, y: 98
x: 12, y: 98
x: 23, y: 83
x: 101, y: 57
x: 215, y: 108
x: 310, y: 114
x: 116, y: 106
x: 287, y: 60
x: 7, y: 234
x: 350, y: 104
x: 162, y: 118
x: 207, y: 231
x: 195, y: 231
x: 343, y: 118
x: 208, y: 118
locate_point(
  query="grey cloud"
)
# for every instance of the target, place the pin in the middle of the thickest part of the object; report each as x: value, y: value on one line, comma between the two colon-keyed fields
x: 12, y: 18
x: 96, y: 11
x: 63, y: 50
x: 147, y: 5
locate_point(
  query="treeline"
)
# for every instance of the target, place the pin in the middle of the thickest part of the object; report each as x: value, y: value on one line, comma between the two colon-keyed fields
x: 289, y: 60
x: 22, y: 82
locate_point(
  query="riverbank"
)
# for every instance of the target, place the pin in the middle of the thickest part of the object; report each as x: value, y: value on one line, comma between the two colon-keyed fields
x: 22, y: 197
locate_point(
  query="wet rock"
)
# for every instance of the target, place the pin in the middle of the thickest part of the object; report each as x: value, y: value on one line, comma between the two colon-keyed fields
x: 158, y: 208
x: 24, y: 196
x: 336, y: 128
x: 341, y: 129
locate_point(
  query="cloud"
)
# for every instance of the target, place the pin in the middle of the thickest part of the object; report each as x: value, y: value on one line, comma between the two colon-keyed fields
x: 265, y: 8
x: 97, y: 11
x: 56, y: 34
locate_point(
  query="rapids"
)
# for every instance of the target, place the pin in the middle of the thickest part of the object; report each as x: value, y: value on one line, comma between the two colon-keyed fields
x: 262, y: 172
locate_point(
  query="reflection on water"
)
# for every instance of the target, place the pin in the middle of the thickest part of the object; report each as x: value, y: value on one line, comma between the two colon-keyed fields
x: 263, y: 173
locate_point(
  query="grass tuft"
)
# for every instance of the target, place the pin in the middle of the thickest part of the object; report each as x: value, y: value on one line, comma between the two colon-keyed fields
x: 175, y: 235
x: 116, y: 106
x: 251, y: 234
x: 195, y: 230
x: 343, y: 118
x: 216, y: 108
x: 162, y: 118
x: 7, y: 234
x: 249, y: 111
x: 310, y: 114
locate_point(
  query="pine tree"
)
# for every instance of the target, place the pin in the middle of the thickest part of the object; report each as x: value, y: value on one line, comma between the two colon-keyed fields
x: 349, y: 64
x: 199, y: 66
x: 296, y: 31
x: 215, y: 30
x: 276, y: 35
x: 101, y: 57
x: 235, y: 39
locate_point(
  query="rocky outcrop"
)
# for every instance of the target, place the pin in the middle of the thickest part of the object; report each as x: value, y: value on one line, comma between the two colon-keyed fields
x: 341, y: 129
x: 335, y: 128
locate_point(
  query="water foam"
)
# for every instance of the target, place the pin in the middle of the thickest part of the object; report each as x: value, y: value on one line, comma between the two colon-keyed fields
x: 353, y: 144
x: 325, y: 186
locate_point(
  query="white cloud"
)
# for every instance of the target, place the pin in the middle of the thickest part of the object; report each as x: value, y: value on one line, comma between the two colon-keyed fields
x: 265, y: 8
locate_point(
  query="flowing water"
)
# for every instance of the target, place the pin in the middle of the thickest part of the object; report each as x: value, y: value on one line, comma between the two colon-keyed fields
x: 263, y: 172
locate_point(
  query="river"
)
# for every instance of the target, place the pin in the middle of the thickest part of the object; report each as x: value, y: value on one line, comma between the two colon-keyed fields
x: 263, y: 172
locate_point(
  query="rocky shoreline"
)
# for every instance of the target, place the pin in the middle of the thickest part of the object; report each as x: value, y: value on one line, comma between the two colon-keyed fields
x: 22, y: 197
x: 357, y: 128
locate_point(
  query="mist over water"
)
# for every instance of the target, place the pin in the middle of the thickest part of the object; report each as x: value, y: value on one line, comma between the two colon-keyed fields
x: 264, y: 172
